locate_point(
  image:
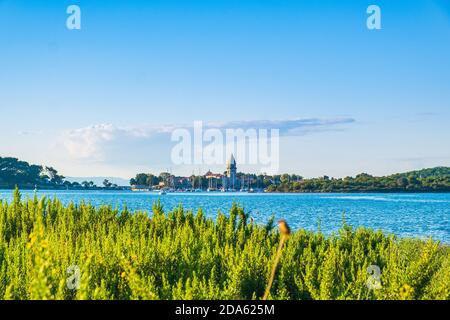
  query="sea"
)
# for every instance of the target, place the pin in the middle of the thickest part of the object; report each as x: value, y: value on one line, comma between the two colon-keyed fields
x: 419, y: 215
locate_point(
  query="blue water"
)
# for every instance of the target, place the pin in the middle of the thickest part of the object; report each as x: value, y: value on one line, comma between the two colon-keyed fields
x: 405, y: 215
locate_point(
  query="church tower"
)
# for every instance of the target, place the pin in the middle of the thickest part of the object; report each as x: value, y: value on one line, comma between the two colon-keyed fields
x: 232, y: 172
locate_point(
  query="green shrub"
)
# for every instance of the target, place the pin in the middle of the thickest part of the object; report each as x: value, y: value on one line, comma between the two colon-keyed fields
x: 182, y: 255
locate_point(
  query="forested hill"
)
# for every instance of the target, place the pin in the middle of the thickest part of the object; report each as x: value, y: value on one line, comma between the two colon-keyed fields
x: 431, y: 172
x: 425, y: 180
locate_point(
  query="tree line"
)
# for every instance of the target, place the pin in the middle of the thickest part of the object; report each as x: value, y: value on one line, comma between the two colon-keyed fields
x: 425, y: 180
x: 14, y: 172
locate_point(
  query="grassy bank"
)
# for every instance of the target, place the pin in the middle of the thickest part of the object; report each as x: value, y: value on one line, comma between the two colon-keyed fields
x: 184, y: 255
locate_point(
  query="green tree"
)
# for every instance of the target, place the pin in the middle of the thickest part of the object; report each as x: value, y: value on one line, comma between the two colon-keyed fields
x: 106, y: 183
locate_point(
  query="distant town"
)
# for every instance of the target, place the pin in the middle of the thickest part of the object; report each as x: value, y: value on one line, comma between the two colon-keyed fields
x: 16, y: 173
x: 229, y: 181
x: 425, y: 180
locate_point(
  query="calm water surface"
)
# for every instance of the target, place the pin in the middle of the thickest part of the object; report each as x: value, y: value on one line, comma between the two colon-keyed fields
x: 406, y: 215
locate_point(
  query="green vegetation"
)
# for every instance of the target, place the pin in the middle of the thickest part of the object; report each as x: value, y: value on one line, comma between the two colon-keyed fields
x: 14, y: 172
x: 426, y: 180
x: 182, y: 255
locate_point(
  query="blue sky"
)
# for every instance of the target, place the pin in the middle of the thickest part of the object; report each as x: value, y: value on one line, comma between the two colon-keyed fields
x: 75, y: 99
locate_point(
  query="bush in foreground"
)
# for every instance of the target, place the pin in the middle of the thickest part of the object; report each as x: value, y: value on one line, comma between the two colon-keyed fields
x: 182, y: 255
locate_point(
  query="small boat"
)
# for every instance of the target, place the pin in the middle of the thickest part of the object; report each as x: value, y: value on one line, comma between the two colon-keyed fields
x: 162, y: 192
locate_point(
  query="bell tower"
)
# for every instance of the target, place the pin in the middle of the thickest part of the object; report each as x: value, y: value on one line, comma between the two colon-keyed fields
x: 232, y: 172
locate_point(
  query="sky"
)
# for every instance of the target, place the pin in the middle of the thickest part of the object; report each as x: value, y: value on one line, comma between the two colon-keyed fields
x: 103, y: 100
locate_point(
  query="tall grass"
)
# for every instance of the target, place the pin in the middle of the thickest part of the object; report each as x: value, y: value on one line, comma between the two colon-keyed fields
x: 182, y: 255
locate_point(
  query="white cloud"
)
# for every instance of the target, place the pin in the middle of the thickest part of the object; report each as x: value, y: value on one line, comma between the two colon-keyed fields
x: 85, y: 143
x: 109, y: 143
x: 96, y: 142
x: 289, y: 127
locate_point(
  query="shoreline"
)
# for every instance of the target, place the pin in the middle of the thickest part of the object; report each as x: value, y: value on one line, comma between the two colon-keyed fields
x: 237, y: 192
